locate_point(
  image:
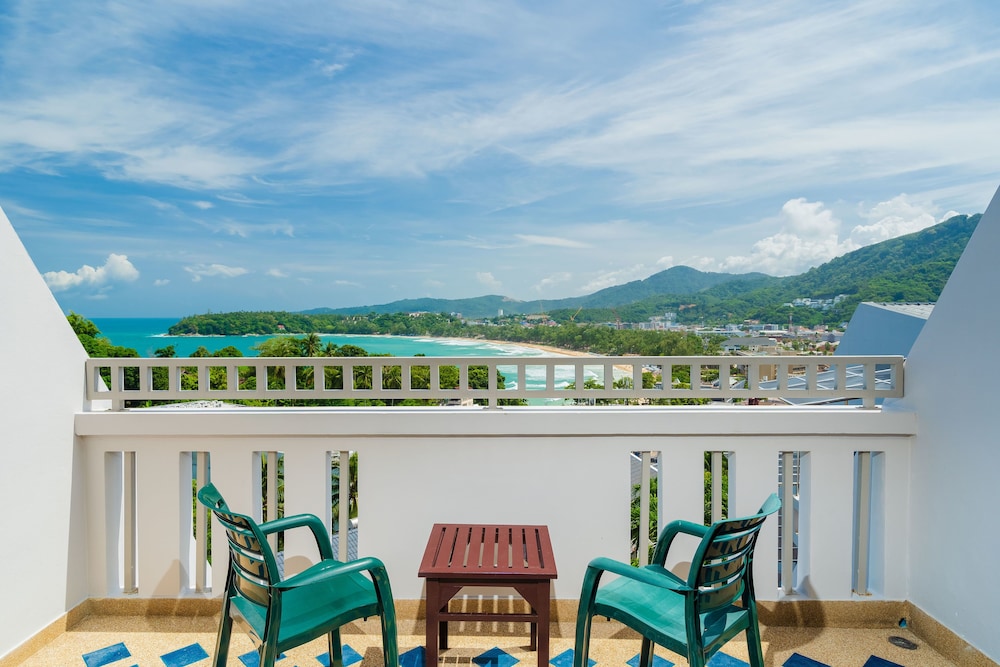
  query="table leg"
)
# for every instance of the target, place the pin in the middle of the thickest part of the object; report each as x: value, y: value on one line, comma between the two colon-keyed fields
x: 536, y: 594
x: 542, y: 607
x: 431, y: 633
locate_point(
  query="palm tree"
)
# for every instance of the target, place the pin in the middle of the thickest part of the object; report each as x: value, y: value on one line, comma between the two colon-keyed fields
x: 311, y: 345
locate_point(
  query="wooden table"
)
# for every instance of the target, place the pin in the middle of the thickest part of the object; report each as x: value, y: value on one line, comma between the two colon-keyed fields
x: 507, y: 556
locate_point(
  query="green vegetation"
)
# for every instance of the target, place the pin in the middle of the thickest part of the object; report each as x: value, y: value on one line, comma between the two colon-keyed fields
x: 912, y: 268
x: 286, y: 346
x: 93, y: 342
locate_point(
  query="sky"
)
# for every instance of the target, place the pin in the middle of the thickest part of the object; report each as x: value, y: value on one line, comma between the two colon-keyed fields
x: 191, y: 156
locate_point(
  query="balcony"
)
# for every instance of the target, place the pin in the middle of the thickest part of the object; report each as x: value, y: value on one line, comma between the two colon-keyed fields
x: 573, y: 467
x: 883, y: 499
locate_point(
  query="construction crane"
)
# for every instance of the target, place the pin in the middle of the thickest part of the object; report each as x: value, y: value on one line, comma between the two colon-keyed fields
x: 572, y: 317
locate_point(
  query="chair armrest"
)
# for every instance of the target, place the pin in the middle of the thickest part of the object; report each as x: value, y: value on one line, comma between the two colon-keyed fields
x: 672, y: 530
x: 310, y: 521
x: 329, y: 569
x: 654, y: 575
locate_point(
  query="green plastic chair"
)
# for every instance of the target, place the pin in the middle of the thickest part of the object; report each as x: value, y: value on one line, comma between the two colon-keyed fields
x: 693, y: 618
x: 290, y: 612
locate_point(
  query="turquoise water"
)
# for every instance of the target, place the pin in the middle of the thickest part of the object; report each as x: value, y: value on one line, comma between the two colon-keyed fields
x: 146, y: 335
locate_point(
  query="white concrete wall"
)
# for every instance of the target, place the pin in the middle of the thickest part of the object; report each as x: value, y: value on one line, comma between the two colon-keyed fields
x: 42, y: 522
x: 956, y: 455
x: 566, y: 468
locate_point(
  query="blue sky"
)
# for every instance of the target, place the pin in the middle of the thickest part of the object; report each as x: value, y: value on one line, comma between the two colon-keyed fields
x: 171, y: 158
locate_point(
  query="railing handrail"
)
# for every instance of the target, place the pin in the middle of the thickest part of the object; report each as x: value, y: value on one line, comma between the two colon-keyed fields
x: 810, y: 379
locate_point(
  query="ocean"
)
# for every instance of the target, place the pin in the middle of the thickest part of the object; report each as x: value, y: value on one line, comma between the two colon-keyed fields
x: 146, y: 335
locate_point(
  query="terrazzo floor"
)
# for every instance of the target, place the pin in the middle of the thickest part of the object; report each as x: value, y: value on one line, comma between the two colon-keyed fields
x: 148, y: 641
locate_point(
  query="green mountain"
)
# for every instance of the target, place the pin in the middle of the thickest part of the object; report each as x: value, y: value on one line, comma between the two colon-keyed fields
x: 910, y: 268
x: 676, y: 280
x: 914, y: 267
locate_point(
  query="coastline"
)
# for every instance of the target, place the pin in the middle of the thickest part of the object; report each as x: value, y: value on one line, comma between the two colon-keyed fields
x: 624, y: 368
x: 535, y: 346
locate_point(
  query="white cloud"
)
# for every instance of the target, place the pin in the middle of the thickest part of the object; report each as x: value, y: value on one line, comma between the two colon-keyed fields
x: 203, y: 205
x: 116, y: 268
x: 161, y: 282
x: 616, y: 277
x: 246, y: 230
x: 552, y: 280
x: 890, y: 219
x: 532, y: 239
x: 276, y: 273
x: 200, y: 271
x: 486, y: 279
x: 808, y: 237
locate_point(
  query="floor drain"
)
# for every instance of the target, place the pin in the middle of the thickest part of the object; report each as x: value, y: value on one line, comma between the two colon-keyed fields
x: 903, y: 642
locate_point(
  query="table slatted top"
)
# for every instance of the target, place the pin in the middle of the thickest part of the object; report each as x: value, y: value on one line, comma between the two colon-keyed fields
x: 482, y: 551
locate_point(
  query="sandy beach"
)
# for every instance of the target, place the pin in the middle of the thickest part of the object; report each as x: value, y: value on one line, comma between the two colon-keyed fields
x: 557, y: 351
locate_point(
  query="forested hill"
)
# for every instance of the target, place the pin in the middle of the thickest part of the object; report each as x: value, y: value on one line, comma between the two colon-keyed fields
x: 910, y: 268
x: 676, y: 280
x: 914, y: 267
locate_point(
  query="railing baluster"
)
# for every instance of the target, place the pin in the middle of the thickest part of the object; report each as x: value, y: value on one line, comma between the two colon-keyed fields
x: 647, y: 461
x: 344, y: 501
x: 787, y: 582
x: 131, y: 583
x: 859, y: 379
x: 716, y: 486
x: 862, y: 522
x: 201, y: 583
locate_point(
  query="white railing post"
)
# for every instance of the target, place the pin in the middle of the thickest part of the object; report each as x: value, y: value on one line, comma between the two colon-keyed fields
x: 129, y: 537
x: 344, y: 503
x: 788, y: 523
x: 643, y: 544
x: 862, y: 522
x: 866, y: 384
x: 201, y: 583
x: 716, y: 486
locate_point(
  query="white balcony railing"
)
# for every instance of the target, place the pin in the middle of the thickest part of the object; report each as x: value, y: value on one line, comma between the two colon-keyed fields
x: 863, y: 380
x: 571, y: 468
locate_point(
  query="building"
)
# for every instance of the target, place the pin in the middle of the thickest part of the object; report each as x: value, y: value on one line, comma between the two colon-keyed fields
x: 932, y: 455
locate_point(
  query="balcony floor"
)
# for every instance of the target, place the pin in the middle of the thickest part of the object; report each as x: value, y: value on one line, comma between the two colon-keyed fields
x: 127, y: 641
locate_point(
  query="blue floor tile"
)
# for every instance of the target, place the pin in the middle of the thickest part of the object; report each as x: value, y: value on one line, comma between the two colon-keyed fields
x: 106, y: 655
x: 183, y: 657
x: 657, y: 661
x: 251, y: 659
x: 349, y: 654
x: 495, y: 657
x: 565, y: 659
x: 723, y: 660
x: 797, y: 660
x: 415, y: 657
x: 876, y: 661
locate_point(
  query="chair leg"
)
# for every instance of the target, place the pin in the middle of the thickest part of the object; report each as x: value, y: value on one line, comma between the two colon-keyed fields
x: 268, y: 654
x: 581, y: 649
x: 222, y: 638
x: 753, y: 646
x: 390, y: 644
x: 334, y: 649
x: 646, y: 656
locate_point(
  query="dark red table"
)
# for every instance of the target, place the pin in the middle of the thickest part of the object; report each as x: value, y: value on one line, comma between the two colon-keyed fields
x: 507, y: 556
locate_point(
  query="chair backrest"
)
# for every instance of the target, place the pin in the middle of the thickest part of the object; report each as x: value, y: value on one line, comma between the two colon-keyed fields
x: 251, y: 561
x: 721, y: 569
